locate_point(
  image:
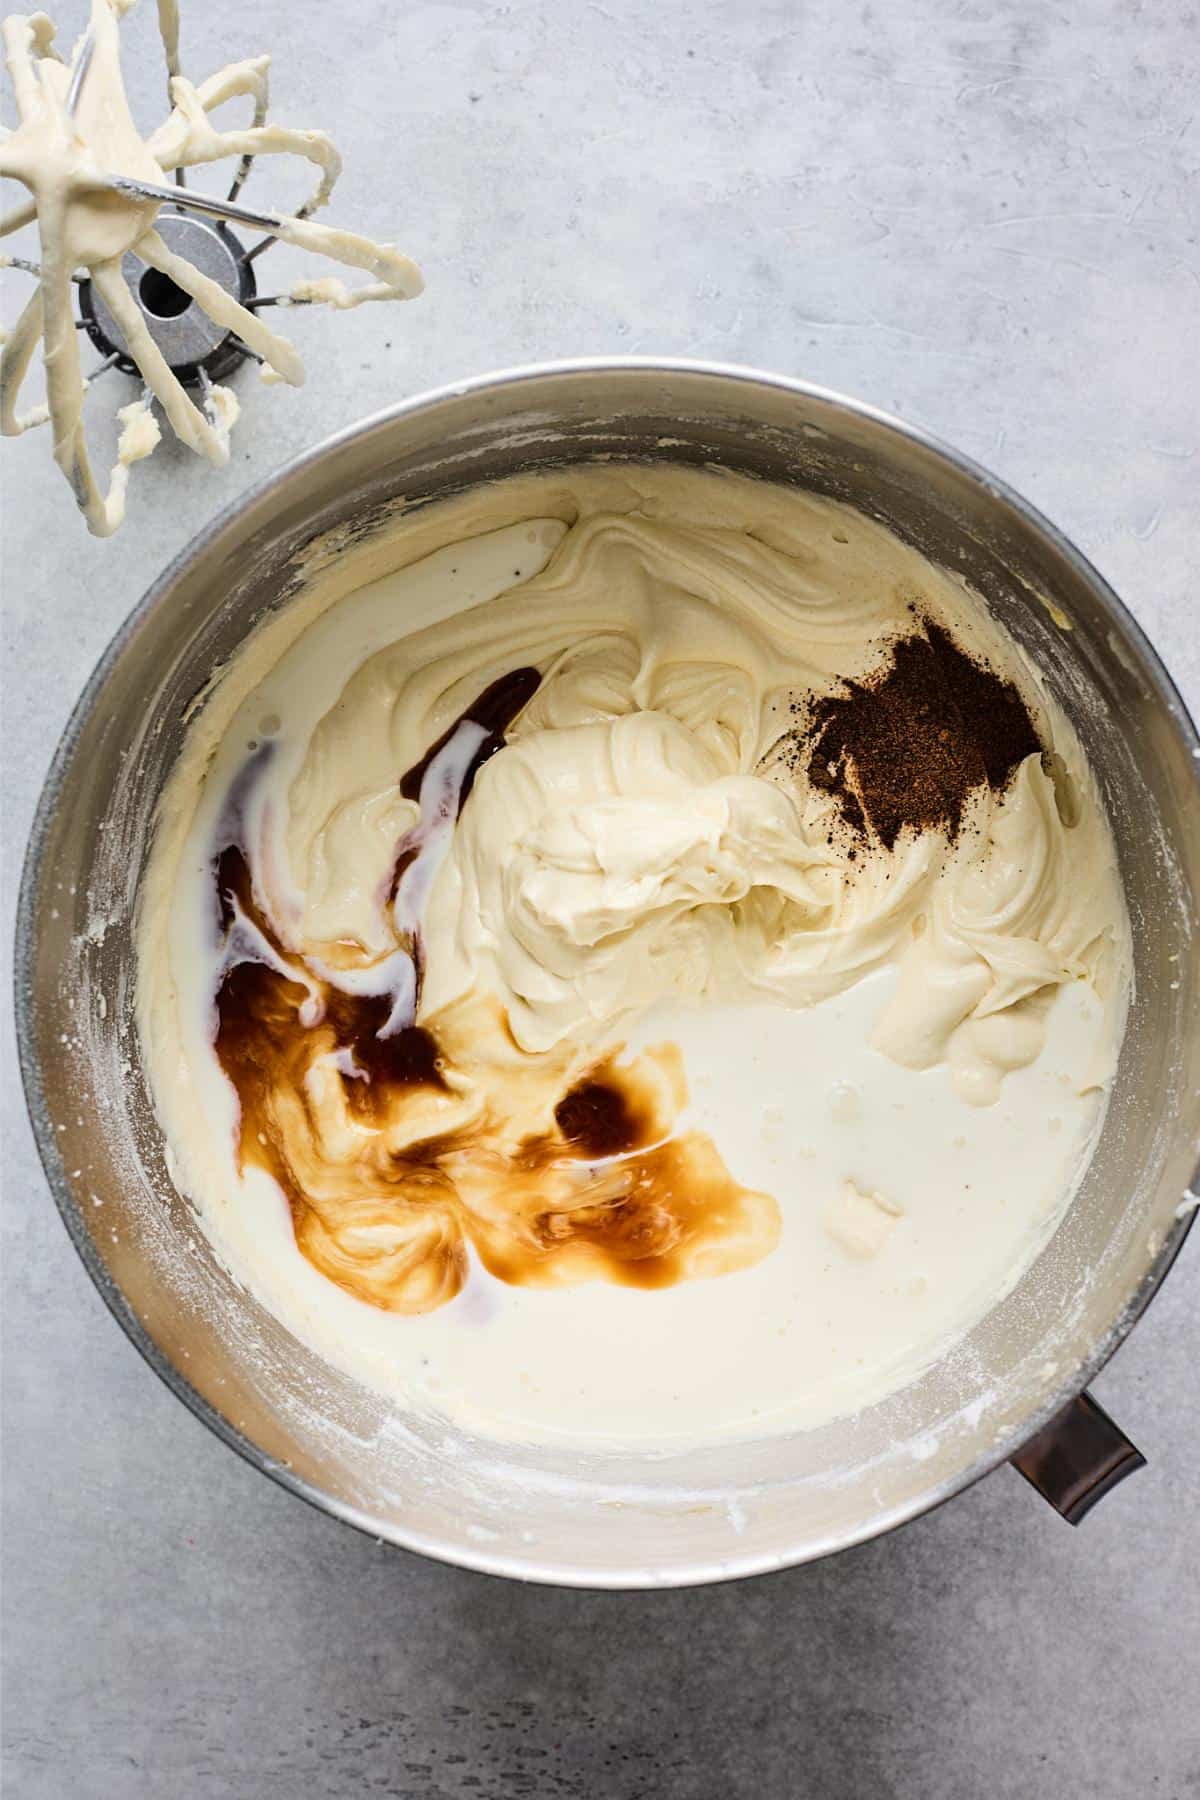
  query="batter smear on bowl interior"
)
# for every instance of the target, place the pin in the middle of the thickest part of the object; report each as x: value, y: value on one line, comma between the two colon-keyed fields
x: 601, y: 885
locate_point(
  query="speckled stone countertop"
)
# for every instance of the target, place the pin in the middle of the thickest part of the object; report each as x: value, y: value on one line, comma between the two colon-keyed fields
x: 984, y: 218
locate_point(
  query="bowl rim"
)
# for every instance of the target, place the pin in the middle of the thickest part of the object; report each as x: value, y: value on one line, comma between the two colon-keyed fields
x: 480, y: 1559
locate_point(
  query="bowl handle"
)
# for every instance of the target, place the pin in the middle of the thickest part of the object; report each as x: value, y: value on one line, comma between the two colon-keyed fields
x: 1077, y: 1457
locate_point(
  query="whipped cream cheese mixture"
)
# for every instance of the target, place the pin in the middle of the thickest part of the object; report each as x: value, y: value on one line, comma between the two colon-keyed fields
x: 634, y: 956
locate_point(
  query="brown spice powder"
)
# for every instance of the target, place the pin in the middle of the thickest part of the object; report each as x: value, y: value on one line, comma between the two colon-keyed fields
x: 909, y: 745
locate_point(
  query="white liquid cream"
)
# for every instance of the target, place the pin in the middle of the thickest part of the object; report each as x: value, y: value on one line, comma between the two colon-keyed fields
x: 607, y: 1060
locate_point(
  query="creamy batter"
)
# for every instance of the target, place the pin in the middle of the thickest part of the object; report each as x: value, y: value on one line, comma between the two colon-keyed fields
x: 558, y: 1011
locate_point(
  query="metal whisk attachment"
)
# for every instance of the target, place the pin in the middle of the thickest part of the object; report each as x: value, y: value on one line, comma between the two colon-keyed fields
x: 194, y: 346
x: 182, y: 309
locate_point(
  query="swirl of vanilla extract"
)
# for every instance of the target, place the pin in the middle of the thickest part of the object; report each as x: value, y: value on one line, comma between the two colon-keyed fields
x: 396, y: 1147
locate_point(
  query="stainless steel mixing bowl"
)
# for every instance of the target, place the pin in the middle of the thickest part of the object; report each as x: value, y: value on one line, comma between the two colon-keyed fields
x: 613, y: 1520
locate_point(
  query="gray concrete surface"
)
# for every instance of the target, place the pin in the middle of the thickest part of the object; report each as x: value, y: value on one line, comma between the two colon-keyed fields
x: 982, y: 216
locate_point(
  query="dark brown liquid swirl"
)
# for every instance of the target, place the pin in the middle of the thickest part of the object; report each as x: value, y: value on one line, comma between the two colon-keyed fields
x: 495, y: 710
x: 396, y: 1151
